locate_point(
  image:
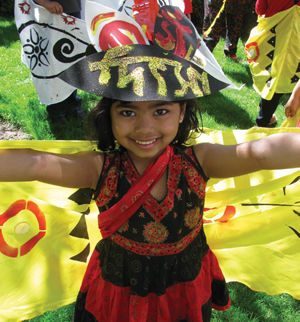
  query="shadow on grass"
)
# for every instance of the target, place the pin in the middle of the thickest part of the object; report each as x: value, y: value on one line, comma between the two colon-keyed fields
x: 243, y: 78
x: 74, y: 129
x: 228, y: 113
x: 8, y: 32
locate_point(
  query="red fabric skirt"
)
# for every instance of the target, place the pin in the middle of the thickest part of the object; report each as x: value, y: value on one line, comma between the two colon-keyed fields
x: 189, y: 301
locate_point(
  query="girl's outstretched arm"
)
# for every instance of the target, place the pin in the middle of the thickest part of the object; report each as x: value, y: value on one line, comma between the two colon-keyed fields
x: 80, y: 170
x: 278, y: 151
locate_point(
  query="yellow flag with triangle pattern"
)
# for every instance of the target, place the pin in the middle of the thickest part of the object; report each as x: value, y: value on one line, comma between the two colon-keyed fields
x: 273, y: 53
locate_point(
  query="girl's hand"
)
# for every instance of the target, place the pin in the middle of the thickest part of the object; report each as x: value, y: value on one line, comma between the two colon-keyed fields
x: 291, y: 107
x: 293, y: 103
x: 55, y: 7
x: 51, y: 6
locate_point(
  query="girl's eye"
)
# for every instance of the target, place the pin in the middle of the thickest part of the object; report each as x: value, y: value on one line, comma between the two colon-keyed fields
x: 127, y: 113
x: 160, y: 112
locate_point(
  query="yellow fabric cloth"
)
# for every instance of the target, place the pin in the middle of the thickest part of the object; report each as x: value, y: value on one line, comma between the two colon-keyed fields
x: 292, y: 121
x: 45, y: 278
x: 251, y: 223
x: 273, y: 53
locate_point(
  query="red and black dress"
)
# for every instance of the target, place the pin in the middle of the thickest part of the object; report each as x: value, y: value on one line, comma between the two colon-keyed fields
x: 157, y: 266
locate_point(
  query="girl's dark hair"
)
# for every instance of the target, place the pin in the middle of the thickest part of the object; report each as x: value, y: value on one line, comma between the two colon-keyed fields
x: 100, y: 129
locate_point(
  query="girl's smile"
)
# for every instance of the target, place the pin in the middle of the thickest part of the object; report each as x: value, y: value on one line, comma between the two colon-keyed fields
x: 146, y: 128
x: 145, y: 143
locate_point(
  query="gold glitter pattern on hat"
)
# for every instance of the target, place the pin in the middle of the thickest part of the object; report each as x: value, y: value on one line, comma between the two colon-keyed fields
x: 193, y: 76
x: 136, y: 76
x: 154, y: 65
x: 114, y: 58
x: 108, y: 61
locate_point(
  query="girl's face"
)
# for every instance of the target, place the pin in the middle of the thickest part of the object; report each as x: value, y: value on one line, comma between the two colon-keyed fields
x: 146, y: 128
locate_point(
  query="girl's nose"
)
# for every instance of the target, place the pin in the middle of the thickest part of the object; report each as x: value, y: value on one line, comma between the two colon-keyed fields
x: 144, y: 125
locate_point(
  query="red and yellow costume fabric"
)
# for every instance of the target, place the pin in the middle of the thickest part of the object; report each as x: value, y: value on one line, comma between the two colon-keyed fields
x: 273, y: 53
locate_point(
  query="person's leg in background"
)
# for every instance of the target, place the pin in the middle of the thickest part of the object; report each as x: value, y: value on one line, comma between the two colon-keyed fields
x: 211, y: 9
x: 266, y: 110
x: 234, y: 22
x: 70, y: 107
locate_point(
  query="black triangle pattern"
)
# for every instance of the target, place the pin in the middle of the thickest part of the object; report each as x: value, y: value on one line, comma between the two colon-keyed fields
x: 273, y: 31
x: 272, y: 41
x: 268, y: 68
x: 82, y: 256
x: 80, y: 230
x: 271, y: 54
x: 82, y: 196
x: 294, y: 79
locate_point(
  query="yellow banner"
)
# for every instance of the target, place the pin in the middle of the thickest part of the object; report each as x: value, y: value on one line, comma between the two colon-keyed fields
x: 252, y: 223
x: 273, y: 53
x: 45, y: 240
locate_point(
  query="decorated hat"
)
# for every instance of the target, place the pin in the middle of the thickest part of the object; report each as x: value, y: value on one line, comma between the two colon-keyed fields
x: 155, y: 56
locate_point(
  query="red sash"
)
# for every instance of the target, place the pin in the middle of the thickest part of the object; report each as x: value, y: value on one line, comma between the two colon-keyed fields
x: 114, y: 218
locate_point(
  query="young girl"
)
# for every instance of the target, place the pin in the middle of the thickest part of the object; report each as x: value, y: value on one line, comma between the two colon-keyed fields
x: 156, y: 265
x: 153, y: 262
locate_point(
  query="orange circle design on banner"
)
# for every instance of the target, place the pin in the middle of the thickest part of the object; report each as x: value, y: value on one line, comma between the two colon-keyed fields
x: 252, y: 52
x: 14, y: 210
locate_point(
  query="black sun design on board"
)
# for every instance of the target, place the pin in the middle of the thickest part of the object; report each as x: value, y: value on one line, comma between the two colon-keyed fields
x: 36, y: 50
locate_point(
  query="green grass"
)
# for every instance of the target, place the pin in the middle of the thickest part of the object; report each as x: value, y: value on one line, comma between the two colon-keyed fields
x: 63, y: 314
x: 20, y: 106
